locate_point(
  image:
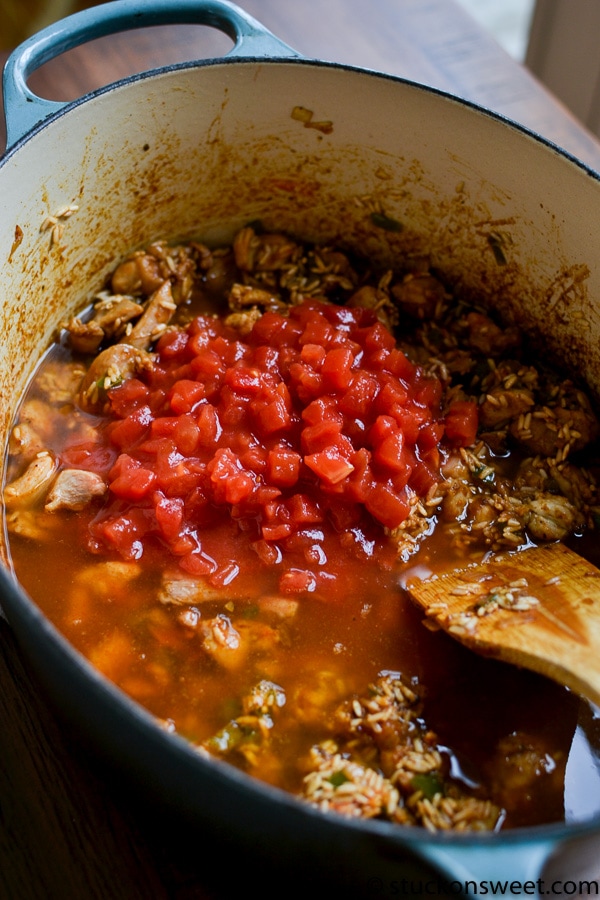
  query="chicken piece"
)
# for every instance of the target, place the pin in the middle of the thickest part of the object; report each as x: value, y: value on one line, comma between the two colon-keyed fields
x: 180, y: 591
x: 30, y: 524
x: 221, y: 641
x: 312, y: 697
x: 521, y: 770
x: 551, y: 518
x: 420, y: 296
x: 370, y: 297
x: 242, y: 296
x: 25, y: 442
x: 74, y: 489
x: 243, y: 322
x: 457, y: 490
x: 115, y: 364
x: 264, y: 252
x: 263, y: 699
x: 37, y: 414
x: 556, y: 431
x: 280, y: 607
x: 110, y: 315
x: 30, y: 487
x: 488, y: 338
x: 154, y: 320
x: 573, y: 482
x: 502, y: 405
x: 59, y: 383
x: 140, y: 274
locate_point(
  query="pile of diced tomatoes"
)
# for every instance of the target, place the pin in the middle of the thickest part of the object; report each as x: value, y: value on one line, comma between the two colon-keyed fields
x: 313, y: 420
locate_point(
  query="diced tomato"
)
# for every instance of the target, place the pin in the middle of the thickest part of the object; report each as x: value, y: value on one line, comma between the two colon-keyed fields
x: 461, y: 421
x: 329, y: 465
x: 266, y: 552
x: 95, y: 457
x: 245, y: 379
x: 400, y: 365
x: 387, y: 506
x: 283, y: 467
x: 231, y: 483
x: 337, y: 369
x: 124, y: 533
x: 428, y: 393
x: 362, y: 479
x: 306, y: 383
x: 382, y: 427
x: 127, y: 432
x: 209, y: 368
x: 323, y: 409
x: 129, y: 480
x: 169, y: 514
x: 389, y: 452
x: 209, y: 425
x: 128, y: 396
x: 164, y: 426
x: 409, y: 419
x: 186, y: 435
x: 313, y: 355
x: 303, y: 510
x: 172, y: 344
x: 317, y: 330
x: 360, y: 396
x: 271, y: 410
x: 430, y: 436
x: 378, y: 337
x: 197, y: 563
x: 277, y: 531
x: 423, y: 478
x: 185, y: 395
x: 320, y: 436
x: 393, y: 394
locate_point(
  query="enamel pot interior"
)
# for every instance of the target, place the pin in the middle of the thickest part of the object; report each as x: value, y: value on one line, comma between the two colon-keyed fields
x: 200, y: 150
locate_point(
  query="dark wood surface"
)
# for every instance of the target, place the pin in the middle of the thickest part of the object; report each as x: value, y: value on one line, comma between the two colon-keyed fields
x: 67, y: 830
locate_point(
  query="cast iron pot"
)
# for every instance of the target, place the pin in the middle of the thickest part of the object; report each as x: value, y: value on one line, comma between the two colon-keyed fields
x: 201, y: 149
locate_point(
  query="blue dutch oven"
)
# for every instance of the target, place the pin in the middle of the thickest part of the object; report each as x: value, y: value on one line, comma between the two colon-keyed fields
x: 200, y: 149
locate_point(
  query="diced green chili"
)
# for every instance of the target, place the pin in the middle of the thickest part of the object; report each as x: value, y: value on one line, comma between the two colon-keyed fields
x: 338, y: 778
x: 429, y: 783
x: 386, y: 222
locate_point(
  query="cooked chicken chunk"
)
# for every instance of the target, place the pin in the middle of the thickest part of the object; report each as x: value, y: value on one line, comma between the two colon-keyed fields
x: 111, y: 315
x: 180, y: 591
x: 420, y: 295
x: 74, y: 489
x: 111, y: 367
x: 33, y: 484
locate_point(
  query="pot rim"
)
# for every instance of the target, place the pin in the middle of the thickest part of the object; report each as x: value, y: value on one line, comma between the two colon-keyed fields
x: 59, y: 109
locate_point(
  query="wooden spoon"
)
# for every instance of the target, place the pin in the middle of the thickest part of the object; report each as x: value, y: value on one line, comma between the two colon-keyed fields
x: 538, y: 608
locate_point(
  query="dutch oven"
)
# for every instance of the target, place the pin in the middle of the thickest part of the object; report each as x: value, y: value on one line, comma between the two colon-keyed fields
x: 202, y: 148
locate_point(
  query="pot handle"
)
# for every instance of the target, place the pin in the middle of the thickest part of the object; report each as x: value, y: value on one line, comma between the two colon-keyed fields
x: 24, y: 109
x: 514, y: 869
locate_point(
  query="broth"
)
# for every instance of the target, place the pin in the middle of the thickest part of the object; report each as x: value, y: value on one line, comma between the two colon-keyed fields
x: 273, y: 631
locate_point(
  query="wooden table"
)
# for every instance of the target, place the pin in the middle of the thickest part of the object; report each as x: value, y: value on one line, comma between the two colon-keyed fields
x: 66, y: 831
